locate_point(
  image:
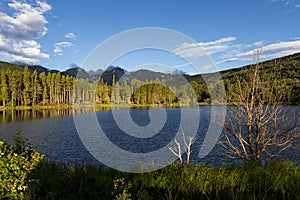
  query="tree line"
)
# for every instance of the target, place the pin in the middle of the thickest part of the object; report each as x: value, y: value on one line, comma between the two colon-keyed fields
x: 24, y: 87
x: 27, y: 88
x: 30, y: 88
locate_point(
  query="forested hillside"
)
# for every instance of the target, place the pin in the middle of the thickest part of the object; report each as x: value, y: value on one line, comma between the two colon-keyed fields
x: 21, y: 86
x: 6, y: 65
x: 285, y: 70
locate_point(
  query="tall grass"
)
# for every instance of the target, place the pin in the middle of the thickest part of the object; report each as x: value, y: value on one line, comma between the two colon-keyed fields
x: 280, y: 180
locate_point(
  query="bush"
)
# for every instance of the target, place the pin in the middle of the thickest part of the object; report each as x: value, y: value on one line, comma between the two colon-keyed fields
x: 16, y: 164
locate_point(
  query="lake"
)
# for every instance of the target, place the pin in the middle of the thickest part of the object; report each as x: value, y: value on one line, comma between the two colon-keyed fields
x: 54, y: 134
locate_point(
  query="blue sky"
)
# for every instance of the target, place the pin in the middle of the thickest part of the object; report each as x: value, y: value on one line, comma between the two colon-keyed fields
x: 56, y: 33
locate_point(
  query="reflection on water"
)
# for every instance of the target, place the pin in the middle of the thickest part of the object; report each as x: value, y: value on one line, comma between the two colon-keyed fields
x: 7, y: 116
x: 25, y: 115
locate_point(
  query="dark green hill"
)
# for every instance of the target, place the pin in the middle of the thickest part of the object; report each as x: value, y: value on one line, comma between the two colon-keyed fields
x: 286, y: 70
x: 6, y: 65
x: 288, y: 67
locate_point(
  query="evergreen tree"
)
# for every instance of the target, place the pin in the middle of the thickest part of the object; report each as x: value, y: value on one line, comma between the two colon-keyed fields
x: 4, y: 88
x: 44, y: 87
x: 27, y: 90
x: 57, y: 88
x: 69, y: 85
x: 13, y: 81
x: 117, y: 93
x: 36, y: 88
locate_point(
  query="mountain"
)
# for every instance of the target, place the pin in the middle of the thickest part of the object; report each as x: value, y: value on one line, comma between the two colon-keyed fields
x: 144, y: 75
x: 94, y: 75
x: 288, y: 66
x: 38, y: 68
x: 112, y: 72
x: 76, y: 72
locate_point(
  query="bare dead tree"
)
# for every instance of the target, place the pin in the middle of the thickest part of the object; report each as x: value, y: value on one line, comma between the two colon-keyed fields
x: 257, y: 125
x: 177, y: 150
x: 187, y: 148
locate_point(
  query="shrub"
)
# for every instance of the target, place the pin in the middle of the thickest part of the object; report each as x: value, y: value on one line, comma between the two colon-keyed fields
x: 16, y: 164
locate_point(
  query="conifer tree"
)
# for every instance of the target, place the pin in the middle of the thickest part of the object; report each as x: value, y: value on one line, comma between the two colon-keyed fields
x: 4, y: 88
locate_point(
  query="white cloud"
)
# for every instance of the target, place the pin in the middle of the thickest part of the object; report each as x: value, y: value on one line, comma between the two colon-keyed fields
x: 23, y: 51
x: 71, y: 36
x: 297, y: 6
x: 219, y: 41
x: 227, y: 60
x: 19, y: 30
x: 268, y: 51
x: 282, y: 46
x: 203, y: 48
x: 224, y: 50
x: 27, y: 22
x: 64, y: 44
x: 59, y: 46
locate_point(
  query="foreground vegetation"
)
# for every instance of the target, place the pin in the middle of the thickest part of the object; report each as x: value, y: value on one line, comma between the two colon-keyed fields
x: 26, y: 176
x: 276, y: 181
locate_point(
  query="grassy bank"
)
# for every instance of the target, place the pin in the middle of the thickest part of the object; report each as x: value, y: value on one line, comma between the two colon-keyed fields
x: 23, y: 175
x: 40, y: 107
x: 108, y: 106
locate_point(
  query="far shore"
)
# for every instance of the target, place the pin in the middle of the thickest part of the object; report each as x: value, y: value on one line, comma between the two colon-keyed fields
x: 113, y: 106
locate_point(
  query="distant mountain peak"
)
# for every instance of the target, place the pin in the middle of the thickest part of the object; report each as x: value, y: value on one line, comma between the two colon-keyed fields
x: 74, y: 66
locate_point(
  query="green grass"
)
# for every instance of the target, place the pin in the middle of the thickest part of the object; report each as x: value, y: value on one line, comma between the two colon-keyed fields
x: 38, y: 107
x: 108, y: 106
x: 280, y: 180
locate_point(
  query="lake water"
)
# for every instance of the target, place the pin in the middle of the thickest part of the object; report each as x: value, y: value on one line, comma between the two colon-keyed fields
x: 54, y: 134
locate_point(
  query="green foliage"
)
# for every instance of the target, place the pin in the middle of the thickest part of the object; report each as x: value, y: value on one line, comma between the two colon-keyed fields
x: 27, y: 88
x: 4, y: 88
x: 153, y: 93
x: 121, y: 189
x: 279, y: 180
x: 285, y: 71
x: 16, y: 165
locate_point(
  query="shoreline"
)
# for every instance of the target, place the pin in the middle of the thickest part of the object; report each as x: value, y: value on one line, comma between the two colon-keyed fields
x: 116, y: 106
x: 112, y: 106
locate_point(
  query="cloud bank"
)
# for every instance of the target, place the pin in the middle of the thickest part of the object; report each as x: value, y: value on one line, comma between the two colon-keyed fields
x: 203, y: 48
x: 224, y: 50
x: 20, y: 29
